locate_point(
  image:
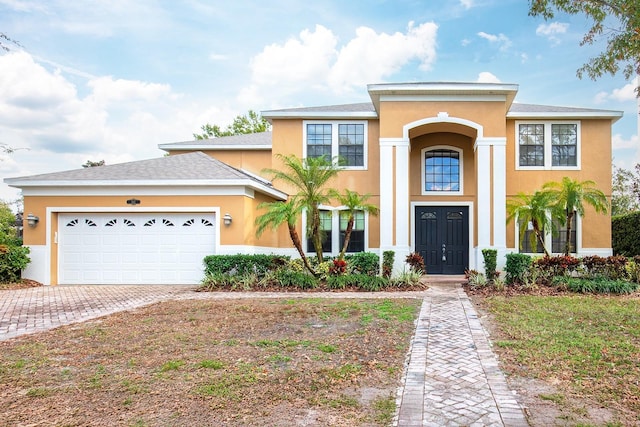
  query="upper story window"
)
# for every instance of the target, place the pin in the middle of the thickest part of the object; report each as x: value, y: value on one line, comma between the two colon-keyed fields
x: 548, y: 145
x: 442, y: 170
x: 345, y: 139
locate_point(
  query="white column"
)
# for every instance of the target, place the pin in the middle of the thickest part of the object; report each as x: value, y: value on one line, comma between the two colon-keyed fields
x: 402, y: 194
x: 499, y: 193
x: 483, y: 179
x: 386, y: 195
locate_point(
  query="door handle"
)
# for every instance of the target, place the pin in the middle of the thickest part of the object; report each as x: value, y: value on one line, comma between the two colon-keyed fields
x: 444, y: 252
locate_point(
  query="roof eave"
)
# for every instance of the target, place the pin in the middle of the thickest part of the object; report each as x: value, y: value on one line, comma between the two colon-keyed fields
x: 218, y: 147
x: 319, y: 115
x: 614, y: 116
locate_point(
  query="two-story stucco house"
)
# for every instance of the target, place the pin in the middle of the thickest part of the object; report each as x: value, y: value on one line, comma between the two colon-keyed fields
x: 439, y: 159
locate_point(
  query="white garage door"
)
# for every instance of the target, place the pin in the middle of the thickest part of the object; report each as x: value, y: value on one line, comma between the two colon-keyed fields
x: 134, y: 248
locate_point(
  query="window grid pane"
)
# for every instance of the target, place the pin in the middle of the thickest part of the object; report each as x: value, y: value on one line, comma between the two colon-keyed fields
x: 442, y: 170
x: 318, y: 140
x: 559, y: 241
x: 564, y: 140
x: 531, y: 141
x: 351, y: 144
x: 525, y: 244
x: 325, y: 227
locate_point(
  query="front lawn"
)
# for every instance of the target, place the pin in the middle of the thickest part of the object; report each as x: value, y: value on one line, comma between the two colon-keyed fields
x: 214, y: 363
x: 586, y: 346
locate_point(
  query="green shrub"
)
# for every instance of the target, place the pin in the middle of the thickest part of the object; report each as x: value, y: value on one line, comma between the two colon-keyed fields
x: 388, y: 258
x: 364, y: 263
x: 625, y: 234
x: 13, y: 259
x: 560, y: 265
x: 242, y: 264
x: 372, y: 283
x: 517, y: 267
x: 296, y: 280
x: 343, y: 281
x: 416, y: 262
x: 601, y: 285
x: 490, y: 262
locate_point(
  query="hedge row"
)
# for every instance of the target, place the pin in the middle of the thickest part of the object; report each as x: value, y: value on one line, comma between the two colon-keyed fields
x: 625, y: 234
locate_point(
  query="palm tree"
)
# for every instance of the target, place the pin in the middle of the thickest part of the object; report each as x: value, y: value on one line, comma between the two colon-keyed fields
x: 532, y: 209
x: 570, y: 196
x: 278, y: 213
x: 309, y: 177
x: 353, y: 202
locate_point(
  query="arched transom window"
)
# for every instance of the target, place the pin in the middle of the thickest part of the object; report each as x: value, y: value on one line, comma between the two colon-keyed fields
x: 442, y: 170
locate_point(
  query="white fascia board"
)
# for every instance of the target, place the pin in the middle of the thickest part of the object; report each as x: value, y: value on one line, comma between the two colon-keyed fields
x: 148, y: 188
x: 609, y: 115
x: 443, y: 98
x: 200, y: 147
x: 322, y: 115
x: 445, y: 86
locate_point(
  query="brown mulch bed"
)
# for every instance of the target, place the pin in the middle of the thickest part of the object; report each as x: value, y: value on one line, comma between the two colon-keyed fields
x: 22, y: 284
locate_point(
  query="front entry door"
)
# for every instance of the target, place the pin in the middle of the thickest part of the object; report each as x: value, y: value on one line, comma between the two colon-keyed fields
x: 442, y: 238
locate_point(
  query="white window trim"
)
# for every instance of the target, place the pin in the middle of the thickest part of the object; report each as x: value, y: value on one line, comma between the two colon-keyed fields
x: 335, y: 145
x: 335, y: 231
x: 461, y: 169
x: 548, y: 144
x: 548, y: 240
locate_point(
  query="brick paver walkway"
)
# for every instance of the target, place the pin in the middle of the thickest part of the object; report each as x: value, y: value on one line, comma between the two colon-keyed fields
x: 452, y: 377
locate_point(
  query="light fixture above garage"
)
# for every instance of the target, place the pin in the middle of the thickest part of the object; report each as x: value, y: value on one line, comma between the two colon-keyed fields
x: 227, y: 219
x: 133, y: 202
x: 32, y: 220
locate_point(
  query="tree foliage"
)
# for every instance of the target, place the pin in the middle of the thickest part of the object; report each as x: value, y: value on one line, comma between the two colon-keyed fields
x: 531, y: 209
x: 309, y: 178
x: 570, y: 196
x: 352, y: 202
x: 625, y: 191
x: 251, y: 122
x: 618, y: 21
x: 5, y: 41
x: 92, y: 164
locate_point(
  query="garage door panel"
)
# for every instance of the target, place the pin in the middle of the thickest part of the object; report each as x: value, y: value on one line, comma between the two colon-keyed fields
x: 108, y: 248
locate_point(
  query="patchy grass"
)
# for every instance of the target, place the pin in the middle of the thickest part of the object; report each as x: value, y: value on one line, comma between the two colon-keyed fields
x: 186, y: 363
x: 587, y: 346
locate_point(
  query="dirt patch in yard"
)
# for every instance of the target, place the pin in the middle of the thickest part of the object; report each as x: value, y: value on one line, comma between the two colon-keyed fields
x: 308, y: 362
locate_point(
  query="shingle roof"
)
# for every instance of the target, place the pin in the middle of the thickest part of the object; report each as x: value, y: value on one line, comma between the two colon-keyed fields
x: 190, y: 166
x: 342, y: 108
x: 240, y: 141
x: 534, y: 108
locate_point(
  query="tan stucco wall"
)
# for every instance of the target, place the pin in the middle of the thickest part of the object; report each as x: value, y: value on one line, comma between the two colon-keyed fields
x: 253, y: 161
x: 395, y: 114
x: 595, y: 153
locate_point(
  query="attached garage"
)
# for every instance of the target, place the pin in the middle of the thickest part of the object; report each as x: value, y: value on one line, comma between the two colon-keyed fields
x: 134, y: 248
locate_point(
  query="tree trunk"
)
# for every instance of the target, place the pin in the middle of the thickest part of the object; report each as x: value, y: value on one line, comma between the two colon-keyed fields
x: 539, y: 236
x: 298, y: 245
x: 567, y: 248
x: 347, y: 237
x: 316, y: 236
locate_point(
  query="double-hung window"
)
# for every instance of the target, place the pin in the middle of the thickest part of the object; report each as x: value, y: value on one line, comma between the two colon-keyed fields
x: 346, y: 139
x: 333, y: 224
x: 547, y: 145
x: 554, y: 241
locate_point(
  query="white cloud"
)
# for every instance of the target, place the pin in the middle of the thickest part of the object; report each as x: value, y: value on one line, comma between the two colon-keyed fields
x: 618, y: 142
x: 503, y: 41
x: 313, y: 61
x: 550, y: 31
x: 119, y: 120
x: 467, y: 4
x: 487, y: 77
x: 626, y: 152
x: 623, y: 94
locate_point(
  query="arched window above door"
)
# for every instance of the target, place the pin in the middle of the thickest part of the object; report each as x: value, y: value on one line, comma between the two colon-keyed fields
x: 442, y: 171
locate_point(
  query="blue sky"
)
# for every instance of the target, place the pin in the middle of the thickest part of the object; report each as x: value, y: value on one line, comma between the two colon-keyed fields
x: 98, y: 79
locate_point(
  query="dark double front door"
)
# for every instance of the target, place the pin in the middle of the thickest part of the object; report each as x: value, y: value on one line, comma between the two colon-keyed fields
x: 442, y: 238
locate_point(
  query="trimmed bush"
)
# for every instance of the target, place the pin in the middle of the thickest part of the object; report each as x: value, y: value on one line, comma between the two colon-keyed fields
x: 388, y: 258
x: 364, y: 263
x: 13, y: 259
x: 242, y: 264
x: 625, y: 234
x: 490, y: 262
x: 517, y: 267
x: 551, y: 266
